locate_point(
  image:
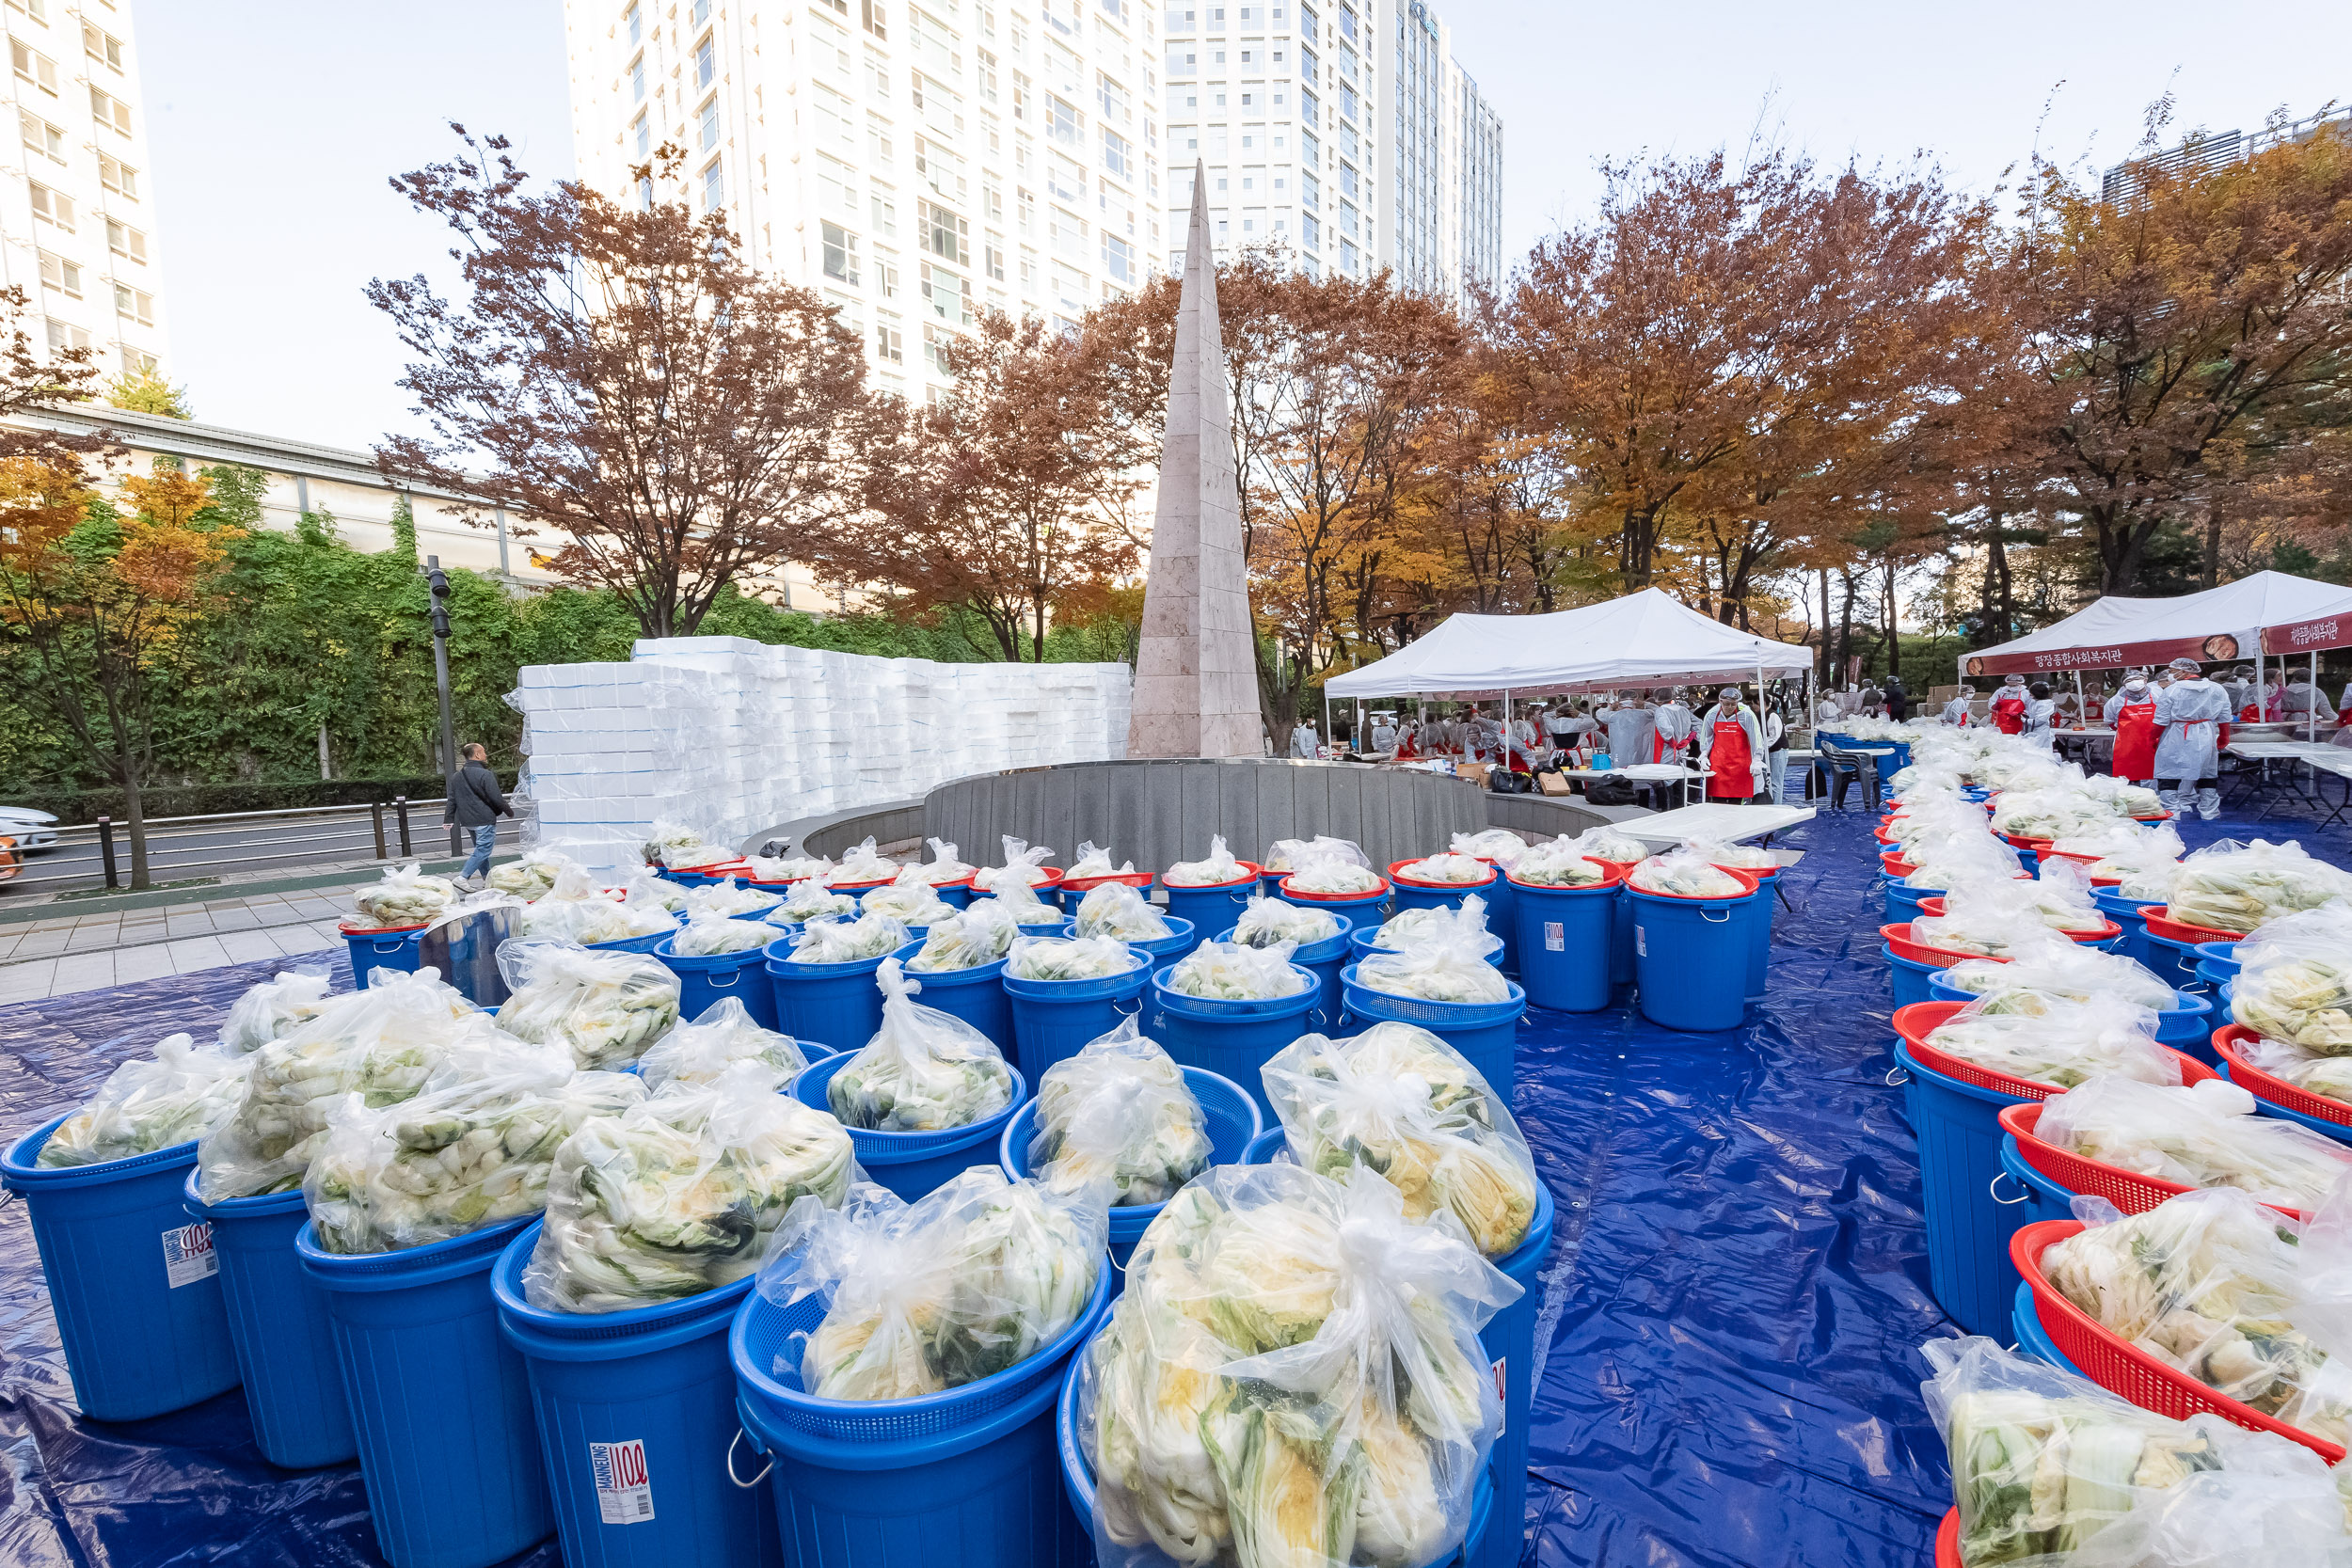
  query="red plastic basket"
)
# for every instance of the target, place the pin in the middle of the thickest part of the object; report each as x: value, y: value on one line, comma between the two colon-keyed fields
x: 347, y: 929
x: 2154, y: 816
x: 2110, y: 929
x: 1898, y: 939
x: 1896, y: 866
x: 2261, y: 1085
x: 1088, y: 885
x: 2129, y: 1190
x: 2161, y: 924
x: 1403, y: 881
x: 1915, y: 1022
x: 1947, y: 1541
x: 2122, y: 1368
x: 1882, y: 834
x: 860, y: 887
x: 1614, y: 874
x: 1382, y: 892
x: 2022, y: 842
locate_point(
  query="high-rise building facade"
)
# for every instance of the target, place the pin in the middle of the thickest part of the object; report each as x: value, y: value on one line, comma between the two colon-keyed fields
x: 914, y: 160
x: 2207, y: 150
x: 79, y: 225
x: 1342, y: 130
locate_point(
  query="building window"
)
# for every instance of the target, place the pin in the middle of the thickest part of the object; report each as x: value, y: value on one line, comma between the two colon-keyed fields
x: 885, y: 215
x: 117, y: 176
x: 64, y: 336
x: 702, y: 12
x: 840, y: 253
x: 109, y: 110
x: 643, y: 132
x: 714, y: 187
x: 102, y: 45
x: 1062, y: 121
x: 40, y: 135
x: 34, y: 65
x: 61, y: 274
x: 138, y: 304
x: 1118, y: 154
x: 636, y: 27
x: 55, y: 206
x: 1309, y: 232
x: 1118, y: 260
x: 876, y: 18
x: 994, y: 256
x: 948, y: 295
x: 140, y: 362
x: 705, y: 62
x: 637, y: 80
x: 36, y: 9
x: 944, y: 234
x: 711, y: 123
x: 123, y: 240
x: 889, y: 344
x: 936, y: 341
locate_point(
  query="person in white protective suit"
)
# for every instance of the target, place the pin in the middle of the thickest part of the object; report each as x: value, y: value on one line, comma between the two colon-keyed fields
x: 1731, y: 742
x: 2190, y: 715
x: 1632, y: 733
x: 1956, y: 711
x: 1676, y: 724
x: 1303, y: 741
x: 2041, y: 715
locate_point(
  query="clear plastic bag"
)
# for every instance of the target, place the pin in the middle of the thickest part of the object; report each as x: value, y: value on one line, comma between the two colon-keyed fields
x: 473, y: 1150
x: 533, y: 876
x: 1685, y: 875
x: 697, y: 857
x: 1293, y: 1377
x: 842, y: 941
x: 1446, y: 964
x: 1995, y: 918
x: 681, y: 1193
x: 723, y: 1034
x: 1316, y: 872
x: 1558, y: 863
x: 2052, y: 1471
x: 381, y: 1044
x: 1020, y: 900
x: 911, y: 902
x: 1116, y: 909
x: 1218, y: 869
x: 943, y: 865
x: 175, y: 1095
x: 810, y: 899
x: 664, y: 836
x: 1095, y: 861
x: 273, y: 1010
x: 2208, y: 1282
x: 1287, y: 854
x: 1233, y: 972
x: 1948, y: 861
x: 604, y: 1007
x: 709, y: 936
x: 729, y: 899
x: 1498, y: 845
x: 2327, y: 1076
x: 1024, y: 867
x: 2051, y: 814
x: 2072, y: 971
x: 1119, y: 1115
x: 1446, y: 868
x: 2204, y: 1135
x: 1410, y: 929
x: 1267, y: 921
x: 1602, y: 842
x: 404, y: 897
x: 790, y: 868
x: 2230, y: 886
x: 659, y: 892
x: 576, y: 910
x: 863, y: 864
x: 2295, y: 979
x: 923, y: 1072
x: 982, y: 933
x: 1070, y: 958
x: 1746, y: 857
x: 2050, y: 1040
x: 971, y: 1280
x: 1402, y: 1101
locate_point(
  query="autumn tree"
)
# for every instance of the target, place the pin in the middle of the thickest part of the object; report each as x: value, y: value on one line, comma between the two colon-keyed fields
x: 2185, y: 339
x: 678, y: 422
x: 94, y: 600
x: 1010, y: 496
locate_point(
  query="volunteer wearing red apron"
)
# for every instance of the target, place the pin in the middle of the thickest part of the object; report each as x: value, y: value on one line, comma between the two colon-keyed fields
x: 2010, y: 707
x: 1731, y: 743
x: 2133, y: 712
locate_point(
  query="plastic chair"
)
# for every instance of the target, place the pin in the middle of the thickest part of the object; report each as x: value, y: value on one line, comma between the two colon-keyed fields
x: 1844, y: 768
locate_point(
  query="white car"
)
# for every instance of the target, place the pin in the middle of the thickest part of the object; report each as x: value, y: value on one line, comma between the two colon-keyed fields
x: 32, y: 830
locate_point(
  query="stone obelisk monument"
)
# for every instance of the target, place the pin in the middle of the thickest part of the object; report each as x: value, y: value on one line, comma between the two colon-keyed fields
x: 1196, y: 672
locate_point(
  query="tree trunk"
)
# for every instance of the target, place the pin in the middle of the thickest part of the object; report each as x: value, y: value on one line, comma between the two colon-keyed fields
x: 2212, y: 546
x: 134, y: 819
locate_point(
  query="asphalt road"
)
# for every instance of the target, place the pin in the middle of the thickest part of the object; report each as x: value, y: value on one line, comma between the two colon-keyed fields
x: 214, y: 849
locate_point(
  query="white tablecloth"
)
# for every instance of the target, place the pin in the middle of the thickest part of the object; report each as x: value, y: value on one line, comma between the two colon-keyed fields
x: 1720, y: 821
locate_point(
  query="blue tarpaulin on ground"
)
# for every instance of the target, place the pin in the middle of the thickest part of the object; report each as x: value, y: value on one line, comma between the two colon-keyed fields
x: 1732, y: 1308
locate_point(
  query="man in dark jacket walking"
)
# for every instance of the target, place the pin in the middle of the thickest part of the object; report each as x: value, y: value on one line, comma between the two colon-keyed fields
x: 476, y: 804
x: 1897, y: 700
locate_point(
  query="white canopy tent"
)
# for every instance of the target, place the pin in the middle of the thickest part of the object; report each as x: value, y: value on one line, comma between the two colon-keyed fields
x: 1644, y: 639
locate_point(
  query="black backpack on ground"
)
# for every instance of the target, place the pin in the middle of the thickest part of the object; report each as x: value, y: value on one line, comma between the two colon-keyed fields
x: 1610, y: 790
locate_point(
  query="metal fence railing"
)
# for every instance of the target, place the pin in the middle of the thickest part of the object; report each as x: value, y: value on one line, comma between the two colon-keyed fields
x: 98, y: 854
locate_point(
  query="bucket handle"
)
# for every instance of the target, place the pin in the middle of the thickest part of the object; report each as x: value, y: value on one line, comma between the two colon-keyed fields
x: 738, y: 1480
x: 713, y: 981
x: 1995, y: 1188
x: 1711, y: 920
x: 1897, y: 1077
x: 7, y: 1198
x: 1128, y: 1012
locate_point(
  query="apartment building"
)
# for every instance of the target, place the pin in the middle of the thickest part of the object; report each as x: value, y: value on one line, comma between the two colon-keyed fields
x: 1342, y: 130
x: 915, y: 161
x: 77, y: 221
x: 2206, y: 150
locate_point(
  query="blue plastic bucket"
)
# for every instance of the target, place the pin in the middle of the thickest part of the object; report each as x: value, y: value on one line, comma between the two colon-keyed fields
x: 1362, y: 908
x: 1181, y: 940
x: 1232, y: 1039
x: 1052, y: 1019
x: 1621, y: 942
x: 1227, y: 1114
x: 112, y: 1240
x: 1565, y: 934
x: 1960, y: 1137
x: 2175, y: 963
x: 2216, y: 961
x: 1502, y: 916
x: 2187, y: 1025
x: 1759, y: 917
x: 912, y: 1164
x: 1903, y: 900
x: 2125, y: 912
x: 277, y: 1324
x: 1509, y: 1340
x: 2031, y: 1337
x: 635, y: 1411
x: 440, y: 1401
x: 1411, y: 896
x: 632, y: 944
x: 397, y: 951
x: 1910, y: 977
x: 1326, y: 958
x: 970, y: 1477
x: 703, y: 982
x: 1486, y: 1032
x: 1690, y: 959
x: 1210, y: 909
x: 1077, y: 1481
x: 2033, y: 1195
x: 837, y: 1006
x: 976, y: 996
x: 956, y: 896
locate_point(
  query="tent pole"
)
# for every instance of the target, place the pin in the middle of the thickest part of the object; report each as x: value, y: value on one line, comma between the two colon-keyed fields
x: 2262, y: 708
x: 2078, y: 705
x: 2310, y: 714
x: 1327, y: 716
x: 1507, y: 729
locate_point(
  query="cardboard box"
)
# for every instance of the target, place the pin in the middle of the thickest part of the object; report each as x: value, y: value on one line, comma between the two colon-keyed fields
x: 1553, y: 783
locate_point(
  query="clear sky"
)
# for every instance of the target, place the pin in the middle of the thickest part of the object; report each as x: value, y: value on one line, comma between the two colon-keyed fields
x: 274, y: 125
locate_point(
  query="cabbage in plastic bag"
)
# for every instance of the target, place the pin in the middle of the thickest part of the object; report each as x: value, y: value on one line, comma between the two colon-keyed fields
x: 911, y: 899
x: 1024, y: 867
x: 1116, y: 909
x: 1448, y: 868
x: 604, y: 1007
x: 1218, y: 869
x: 1602, y: 842
x: 2235, y: 887
x: 1292, y: 1377
x: 1685, y: 875
x: 1498, y: 845
x: 175, y: 1095
x: 533, y: 875
x: 842, y: 941
x: 2329, y: 1077
x: 1235, y: 971
x: 1446, y: 965
x: 2295, y: 979
x: 1070, y: 958
x: 1331, y: 874
x: 664, y: 836
x: 723, y: 1035
x: 729, y: 899
x: 1746, y: 857
x: 644, y: 887
x: 2000, y: 918
x: 980, y: 934
x: 1286, y: 854
x: 1119, y: 1114
x: 710, y: 936
x: 405, y: 897
x: 2057, y: 1041
x: 576, y: 910
x: 810, y: 899
x: 1096, y: 862
x: 971, y: 1280
x: 1266, y: 921
x: 789, y: 868
x: 2070, y: 971
x: 2204, y: 1135
x: 680, y: 1193
x: 273, y: 1009
x: 1402, y: 1101
x: 943, y: 865
x: 923, y: 1072
x: 1558, y: 863
x: 1410, y: 929
x: 863, y: 864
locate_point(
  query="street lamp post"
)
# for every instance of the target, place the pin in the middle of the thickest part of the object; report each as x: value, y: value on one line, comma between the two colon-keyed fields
x: 438, y: 582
